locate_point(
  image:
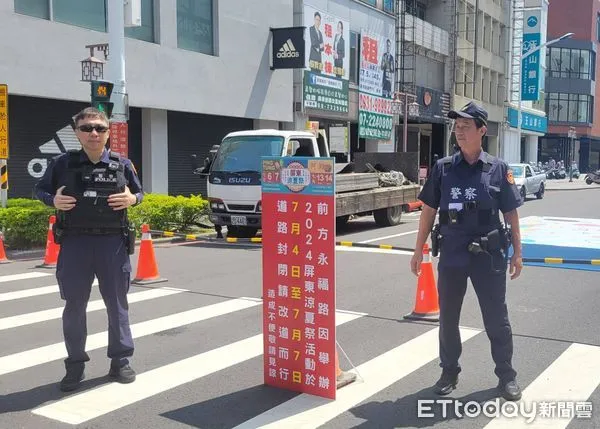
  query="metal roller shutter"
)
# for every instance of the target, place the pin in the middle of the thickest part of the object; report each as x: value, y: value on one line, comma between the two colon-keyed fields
x: 195, y: 134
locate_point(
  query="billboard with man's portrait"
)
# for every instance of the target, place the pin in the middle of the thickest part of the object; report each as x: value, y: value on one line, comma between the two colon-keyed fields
x: 376, y: 85
x: 327, y: 72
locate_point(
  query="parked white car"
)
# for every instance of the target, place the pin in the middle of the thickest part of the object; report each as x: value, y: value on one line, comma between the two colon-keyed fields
x: 528, y: 181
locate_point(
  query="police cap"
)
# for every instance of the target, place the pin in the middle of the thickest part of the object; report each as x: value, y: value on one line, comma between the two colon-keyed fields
x: 470, y: 111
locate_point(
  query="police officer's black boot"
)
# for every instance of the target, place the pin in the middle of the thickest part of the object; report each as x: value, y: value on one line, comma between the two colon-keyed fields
x: 123, y: 373
x: 510, y: 390
x: 75, y: 375
x: 447, y: 382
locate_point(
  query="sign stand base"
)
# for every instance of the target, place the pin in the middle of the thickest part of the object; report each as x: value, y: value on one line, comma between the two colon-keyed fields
x: 344, y: 378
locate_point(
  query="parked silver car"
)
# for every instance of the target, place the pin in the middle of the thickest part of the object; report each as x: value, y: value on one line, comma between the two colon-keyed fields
x: 528, y: 181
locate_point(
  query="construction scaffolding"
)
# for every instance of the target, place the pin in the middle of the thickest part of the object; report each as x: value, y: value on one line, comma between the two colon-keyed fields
x: 516, y: 46
x: 406, y: 61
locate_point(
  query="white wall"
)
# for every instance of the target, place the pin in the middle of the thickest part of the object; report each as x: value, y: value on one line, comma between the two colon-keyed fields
x: 42, y: 58
x: 511, y: 149
x: 155, y: 150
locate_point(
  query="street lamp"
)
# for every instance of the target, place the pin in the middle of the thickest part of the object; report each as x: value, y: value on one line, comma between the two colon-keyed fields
x: 525, y: 55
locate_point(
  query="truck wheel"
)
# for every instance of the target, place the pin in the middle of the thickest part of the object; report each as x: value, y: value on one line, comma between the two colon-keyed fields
x: 341, y: 221
x: 389, y: 216
x: 523, y: 194
x: 540, y: 193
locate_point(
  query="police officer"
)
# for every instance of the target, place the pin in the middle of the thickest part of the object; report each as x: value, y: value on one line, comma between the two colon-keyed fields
x: 471, y: 188
x: 91, y: 190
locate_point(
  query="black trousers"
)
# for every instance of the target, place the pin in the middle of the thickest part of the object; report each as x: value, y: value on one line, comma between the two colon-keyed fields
x: 490, y: 288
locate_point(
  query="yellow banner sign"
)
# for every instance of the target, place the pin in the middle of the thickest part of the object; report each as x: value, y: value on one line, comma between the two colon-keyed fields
x: 3, y: 121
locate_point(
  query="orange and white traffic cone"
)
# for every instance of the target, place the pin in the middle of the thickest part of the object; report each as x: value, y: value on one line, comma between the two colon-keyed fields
x: 342, y: 378
x: 3, y: 258
x: 427, y: 304
x: 52, y: 249
x: 147, y: 269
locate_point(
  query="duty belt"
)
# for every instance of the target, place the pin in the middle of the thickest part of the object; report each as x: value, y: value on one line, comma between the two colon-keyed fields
x: 93, y: 231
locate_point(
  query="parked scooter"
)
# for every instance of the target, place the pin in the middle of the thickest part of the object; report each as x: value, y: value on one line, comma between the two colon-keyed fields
x: 593, y: 177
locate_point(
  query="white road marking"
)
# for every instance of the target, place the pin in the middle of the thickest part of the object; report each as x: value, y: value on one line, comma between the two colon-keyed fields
x: 572, y: 377
x: 374, y: 250
x: 23, y: 276
x: 307, y: 411
x: 36, y: 291
x: 45, y: 354
x: 107, y: 398
x: 56, y: 313
x: 389, y: 236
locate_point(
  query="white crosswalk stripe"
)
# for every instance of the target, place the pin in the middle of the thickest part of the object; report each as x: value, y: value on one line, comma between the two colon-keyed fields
x: 572, y: 375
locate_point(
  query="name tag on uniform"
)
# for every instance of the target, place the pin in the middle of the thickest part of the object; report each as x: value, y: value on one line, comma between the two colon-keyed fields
x: 92, y: 194
x: 455, y: 206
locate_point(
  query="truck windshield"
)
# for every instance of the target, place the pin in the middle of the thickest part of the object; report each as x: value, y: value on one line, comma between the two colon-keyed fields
x: 518, y: 170
x: 243, y: 153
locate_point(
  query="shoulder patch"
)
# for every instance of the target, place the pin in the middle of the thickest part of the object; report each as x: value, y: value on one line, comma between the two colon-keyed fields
x: 509, y: 177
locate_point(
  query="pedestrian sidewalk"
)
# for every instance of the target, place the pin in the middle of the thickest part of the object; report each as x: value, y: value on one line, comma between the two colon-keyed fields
x: 565, y: 185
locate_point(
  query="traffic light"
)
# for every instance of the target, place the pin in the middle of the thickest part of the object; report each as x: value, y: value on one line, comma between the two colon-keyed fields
x: 101, y: 92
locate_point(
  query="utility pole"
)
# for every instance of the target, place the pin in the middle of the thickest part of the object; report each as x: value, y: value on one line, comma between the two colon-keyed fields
x: 116, y: 63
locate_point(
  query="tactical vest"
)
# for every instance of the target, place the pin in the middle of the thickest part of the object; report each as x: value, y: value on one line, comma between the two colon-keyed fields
x: 91, y: 185
x: 469, y: 204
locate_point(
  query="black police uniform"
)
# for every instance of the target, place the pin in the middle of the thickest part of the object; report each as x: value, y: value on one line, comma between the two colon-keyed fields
x: 95, y: 241
x: 470, y: 199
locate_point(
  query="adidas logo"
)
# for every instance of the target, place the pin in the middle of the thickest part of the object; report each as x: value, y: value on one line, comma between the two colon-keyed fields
x: 288, y: 50
x: 64, y: 140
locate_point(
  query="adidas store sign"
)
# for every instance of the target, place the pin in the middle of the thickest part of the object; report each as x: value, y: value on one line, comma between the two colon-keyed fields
x: 288, y: 48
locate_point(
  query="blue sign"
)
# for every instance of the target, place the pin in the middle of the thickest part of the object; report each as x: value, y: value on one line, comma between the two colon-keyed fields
x: 530, y: 68
x: 528, y: 121
x: 532, y: 21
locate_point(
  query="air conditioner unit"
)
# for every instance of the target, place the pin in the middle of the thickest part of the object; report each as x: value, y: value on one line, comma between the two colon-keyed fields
x: 133, y: 13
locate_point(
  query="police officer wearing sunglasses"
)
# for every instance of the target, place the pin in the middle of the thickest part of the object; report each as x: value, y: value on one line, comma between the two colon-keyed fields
x: 470, y: 189
x: 91, y: 190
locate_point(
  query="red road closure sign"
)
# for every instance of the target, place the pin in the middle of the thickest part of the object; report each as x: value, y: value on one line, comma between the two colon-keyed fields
x: 119, y: 138
x: 298, y: 226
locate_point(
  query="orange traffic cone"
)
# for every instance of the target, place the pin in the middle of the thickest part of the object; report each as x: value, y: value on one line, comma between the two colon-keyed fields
x: 426, y: 306
x: 3, y: 258
x: 342, y: 378
x: 414, y: 206
x: 52, y: 249
x: 147, y: 269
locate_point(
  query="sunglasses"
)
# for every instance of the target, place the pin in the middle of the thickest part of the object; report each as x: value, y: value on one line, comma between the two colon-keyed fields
x: 89, y: 128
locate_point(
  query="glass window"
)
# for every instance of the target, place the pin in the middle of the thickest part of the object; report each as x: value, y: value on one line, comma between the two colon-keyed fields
x: 243, y: 154
x: 195, y: 25
x: 37, y: 8
x: 88, y: 14
x: 146, y: 31
x: 569, y: 108
x: 554, y: 65
x: 583, y: 111
x: 388, y: 6
x: 354, y: 63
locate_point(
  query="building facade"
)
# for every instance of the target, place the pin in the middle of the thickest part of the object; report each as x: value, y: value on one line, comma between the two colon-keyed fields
x: 195, y: 71
x: 526, y: 83
x: 571, y: 100
x: 348, y: 83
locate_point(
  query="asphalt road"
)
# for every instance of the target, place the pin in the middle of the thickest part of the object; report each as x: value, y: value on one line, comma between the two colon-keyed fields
x: 199, y: 360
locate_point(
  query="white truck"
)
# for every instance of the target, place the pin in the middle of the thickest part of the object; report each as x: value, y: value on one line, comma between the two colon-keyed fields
x: 234, y: 186
x: 528, y: 181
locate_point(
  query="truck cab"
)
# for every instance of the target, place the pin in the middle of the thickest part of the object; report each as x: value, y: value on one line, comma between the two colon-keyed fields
x: 234, y: 173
